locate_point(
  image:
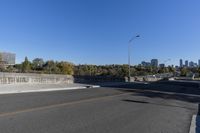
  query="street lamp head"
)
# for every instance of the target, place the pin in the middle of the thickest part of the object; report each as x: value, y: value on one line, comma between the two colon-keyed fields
x: 134, y: 37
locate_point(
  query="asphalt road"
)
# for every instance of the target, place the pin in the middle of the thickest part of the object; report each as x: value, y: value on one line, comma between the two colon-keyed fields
x: 99, y: 110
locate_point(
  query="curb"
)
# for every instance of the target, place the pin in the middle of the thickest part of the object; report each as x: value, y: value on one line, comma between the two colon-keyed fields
x: 48, y: 90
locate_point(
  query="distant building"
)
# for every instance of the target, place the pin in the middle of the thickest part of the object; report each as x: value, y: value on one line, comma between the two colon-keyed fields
x: 181, y: 63
x: 176, y: 67
x: 146, y: 64
x: 191, y: 64
x: 7, y: 58
x: 162, y: 65
x: 154, y: 62
x: 199, y: 62
x: 195, y: 65
x: 186, y: 63
x: 143, y: 63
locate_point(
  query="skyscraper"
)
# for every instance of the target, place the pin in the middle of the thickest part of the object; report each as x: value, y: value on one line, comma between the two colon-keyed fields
x: 186, y: 63
x: 181, y: 63
x: 145, y: 64
x: 162, y: 65
x: 199, y: 63
x: 191, y: 64
x: 154, y: 62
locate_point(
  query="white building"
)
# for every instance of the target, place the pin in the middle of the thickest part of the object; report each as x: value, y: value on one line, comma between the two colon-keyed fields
x: 7, y: 58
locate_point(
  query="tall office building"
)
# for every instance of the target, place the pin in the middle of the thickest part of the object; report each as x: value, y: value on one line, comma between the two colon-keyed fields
x: 195, y: 65
x: 186, y: 63
x: 191, y: 64
x: 162, y: 65
x: 145, y: 64
x: 199, y: 62
x: 7, y: 58
x: 181, y: 63
x: 154, y: 62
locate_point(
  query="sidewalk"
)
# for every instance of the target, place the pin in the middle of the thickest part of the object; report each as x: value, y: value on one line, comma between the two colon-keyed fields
x: 27, y: 88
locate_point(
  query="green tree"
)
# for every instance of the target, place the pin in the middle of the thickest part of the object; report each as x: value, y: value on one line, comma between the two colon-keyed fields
x: 10, y: 69
x: 50, y: 67
x: 18, y: 67
x: 124, y: 71
x: 199, y: 71
x: 1, y: 64
x: 26, y: 65
x: 1, y: 58
x: 172, y: 69
x: 184, y: 71
x: 37, y: 64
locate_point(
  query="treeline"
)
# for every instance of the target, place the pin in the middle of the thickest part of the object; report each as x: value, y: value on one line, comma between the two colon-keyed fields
x: 186, y: 71
x: 38, y: 65
x: 118, y: 70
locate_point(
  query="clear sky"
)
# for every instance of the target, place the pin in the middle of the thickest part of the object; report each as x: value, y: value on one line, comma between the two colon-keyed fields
x: 98, y: 31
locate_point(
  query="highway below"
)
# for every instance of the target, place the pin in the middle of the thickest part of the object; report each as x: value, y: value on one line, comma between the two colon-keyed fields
x: 121, y: 109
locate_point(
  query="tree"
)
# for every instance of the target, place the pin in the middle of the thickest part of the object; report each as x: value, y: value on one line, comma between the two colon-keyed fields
x: 18, y: 67
x: 26, y: 65
x: 66, y: 68
x: 37, y: 64
x: 184, y: 71
x: 50, y: 67
x: 10, y: 69
x: 124, y: 71
x: 1, y: 63
x: 199, y: 71
x: 1, y: 58
x: 172, y: 69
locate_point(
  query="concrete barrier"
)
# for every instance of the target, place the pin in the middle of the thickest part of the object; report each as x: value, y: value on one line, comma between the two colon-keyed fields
x: 97, y: 79
x: 151, y: 78
x: 29, y: 78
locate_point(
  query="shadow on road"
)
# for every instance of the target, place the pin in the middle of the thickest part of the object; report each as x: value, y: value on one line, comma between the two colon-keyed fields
x: 135, y: 101
x: 160, y: 104
x: 192, y: 99
x: 183, y: 91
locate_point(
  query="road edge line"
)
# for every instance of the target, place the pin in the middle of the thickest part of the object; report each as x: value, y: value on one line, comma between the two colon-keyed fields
x: 47, y: 90
x: 193, y: 124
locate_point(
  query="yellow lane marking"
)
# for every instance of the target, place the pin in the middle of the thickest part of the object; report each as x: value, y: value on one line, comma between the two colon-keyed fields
x: 59, y: 105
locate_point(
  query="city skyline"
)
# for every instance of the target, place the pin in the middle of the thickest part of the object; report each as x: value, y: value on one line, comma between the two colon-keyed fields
x: 97, y: 32
x: 189, y: 63
x: 143, y: 62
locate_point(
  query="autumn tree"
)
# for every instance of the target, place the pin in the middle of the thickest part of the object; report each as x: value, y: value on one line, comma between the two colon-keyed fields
x: 66, y: 68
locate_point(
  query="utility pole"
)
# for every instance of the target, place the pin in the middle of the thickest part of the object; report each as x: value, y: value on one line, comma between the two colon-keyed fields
x: 129, y: 56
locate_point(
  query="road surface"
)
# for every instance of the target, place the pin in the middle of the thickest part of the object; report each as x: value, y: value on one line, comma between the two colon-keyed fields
x: 98, y: 110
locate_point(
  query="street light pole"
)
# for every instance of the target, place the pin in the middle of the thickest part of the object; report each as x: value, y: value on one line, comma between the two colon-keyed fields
x: 129, y: 57
x: 129, y: 61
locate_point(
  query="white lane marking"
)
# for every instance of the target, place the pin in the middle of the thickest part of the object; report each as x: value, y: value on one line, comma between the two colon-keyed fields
x: 193, y: 124
x: 45, y: 90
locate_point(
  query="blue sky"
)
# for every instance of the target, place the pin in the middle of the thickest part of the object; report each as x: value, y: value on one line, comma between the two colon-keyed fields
x: 98, y: 31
